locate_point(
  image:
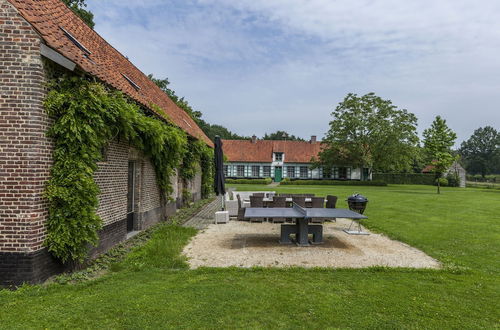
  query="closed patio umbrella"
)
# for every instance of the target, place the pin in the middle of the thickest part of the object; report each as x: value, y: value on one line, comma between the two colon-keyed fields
x: 219, y: 187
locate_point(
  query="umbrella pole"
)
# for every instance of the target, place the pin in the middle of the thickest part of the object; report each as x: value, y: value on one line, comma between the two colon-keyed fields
x: 222, y: 203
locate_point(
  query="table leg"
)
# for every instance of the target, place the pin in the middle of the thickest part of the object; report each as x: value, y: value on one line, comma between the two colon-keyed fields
x: 302, y: 238
x: 286, y: 231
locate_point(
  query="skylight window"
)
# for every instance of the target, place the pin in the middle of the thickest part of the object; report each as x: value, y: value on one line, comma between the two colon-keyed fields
x: 75, y: 41
x: 187, y: 123
x: 131, y: 82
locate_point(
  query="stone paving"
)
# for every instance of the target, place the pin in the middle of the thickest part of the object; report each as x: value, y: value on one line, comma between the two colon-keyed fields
x: 205, y: 217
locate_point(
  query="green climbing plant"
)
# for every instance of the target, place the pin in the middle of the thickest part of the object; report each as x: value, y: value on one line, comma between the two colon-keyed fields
x: 198, y: 155
x: 87, y: 115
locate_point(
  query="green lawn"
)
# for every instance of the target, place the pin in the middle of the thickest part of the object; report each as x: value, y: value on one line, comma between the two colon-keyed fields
x: 459, y: 227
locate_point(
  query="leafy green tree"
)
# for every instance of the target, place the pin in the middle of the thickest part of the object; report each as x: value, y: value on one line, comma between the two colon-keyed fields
x: 210, y: 130
x: 78, y: 7
x: 438, y: 140
x: 281, y: 135
x: 370, y: 132
x: 481, y: 152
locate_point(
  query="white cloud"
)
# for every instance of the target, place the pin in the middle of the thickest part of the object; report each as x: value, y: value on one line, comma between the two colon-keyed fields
x: 263, y: 65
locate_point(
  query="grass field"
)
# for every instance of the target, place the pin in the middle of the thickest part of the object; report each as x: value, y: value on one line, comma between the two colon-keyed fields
x: 153, y: 288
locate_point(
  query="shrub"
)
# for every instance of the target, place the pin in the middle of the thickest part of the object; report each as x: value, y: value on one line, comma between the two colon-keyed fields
x: 249, y: 181
x: 443, y: 182
x: 405, y: 178
x: 453, y: 180
x: 333, y: 183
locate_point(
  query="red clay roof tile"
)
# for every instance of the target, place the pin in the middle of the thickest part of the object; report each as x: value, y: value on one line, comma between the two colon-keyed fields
x: 105, y: 62
x: 262, y: 150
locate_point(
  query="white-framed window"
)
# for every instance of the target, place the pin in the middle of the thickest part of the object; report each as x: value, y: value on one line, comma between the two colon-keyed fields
x: 290, y: 171
x: 342, y: 173
x: 278, y: 156
x: 226, y: 170
x: 326, y: 173
x: 267, y: 171
x: 240, y: 170
x: 304, y: 172
x: 255, y: 170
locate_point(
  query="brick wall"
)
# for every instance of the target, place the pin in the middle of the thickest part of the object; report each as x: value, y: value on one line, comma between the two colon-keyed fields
x: 26, y: 158
x: 112, y: 178
x: 25, y: 151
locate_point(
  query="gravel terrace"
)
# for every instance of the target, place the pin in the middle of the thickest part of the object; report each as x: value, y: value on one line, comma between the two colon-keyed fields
x: 244, y: 244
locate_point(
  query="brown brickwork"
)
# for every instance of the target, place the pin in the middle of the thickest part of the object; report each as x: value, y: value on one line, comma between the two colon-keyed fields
x: 26, y: 158
x: 111, y: 177
x: 25, y: 151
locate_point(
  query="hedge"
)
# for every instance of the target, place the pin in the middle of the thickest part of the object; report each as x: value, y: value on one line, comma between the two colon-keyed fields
x: 249, y: 181
x: 405, y: 178
x: 333, y: 183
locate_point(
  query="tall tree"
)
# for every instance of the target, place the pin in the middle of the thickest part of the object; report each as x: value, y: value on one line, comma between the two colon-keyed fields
x: 210, y: 130
x: 370, y: 132
x: 78, y: 7
x: 481, y: 152
x: 438, y: 140
x: 281, y: 135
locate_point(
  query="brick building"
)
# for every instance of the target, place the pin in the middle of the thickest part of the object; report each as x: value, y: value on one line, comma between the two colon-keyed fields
x: 38, y: 38
x: 255, y: 158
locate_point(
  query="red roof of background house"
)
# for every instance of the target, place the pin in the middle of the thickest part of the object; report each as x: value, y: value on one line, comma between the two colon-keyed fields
x: 262, y: 150
x: 428, y: 169
x: 48, y: 16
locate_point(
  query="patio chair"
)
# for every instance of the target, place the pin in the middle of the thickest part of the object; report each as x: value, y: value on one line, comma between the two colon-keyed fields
x: 241, y: 210
x: 257, y: 195
x: 299, y: 200
x: 331, y: 202
x: 317, y: 202
x: 256, y: 202
x: 278, y: 202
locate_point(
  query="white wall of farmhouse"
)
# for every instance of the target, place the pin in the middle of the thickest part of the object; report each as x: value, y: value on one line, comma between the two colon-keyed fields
x: 291, y: 170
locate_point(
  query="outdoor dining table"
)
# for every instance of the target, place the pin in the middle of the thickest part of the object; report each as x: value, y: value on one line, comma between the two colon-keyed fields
x: 302, y: 228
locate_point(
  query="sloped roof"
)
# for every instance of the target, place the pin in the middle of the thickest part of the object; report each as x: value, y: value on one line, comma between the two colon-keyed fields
x: 262, y: 150
x: 48, y: 17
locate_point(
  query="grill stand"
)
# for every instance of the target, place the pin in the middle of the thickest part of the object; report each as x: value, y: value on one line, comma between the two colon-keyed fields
x: 355, y: 232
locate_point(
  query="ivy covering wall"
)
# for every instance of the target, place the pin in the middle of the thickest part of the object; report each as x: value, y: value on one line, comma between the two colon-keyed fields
x: 87, y: 115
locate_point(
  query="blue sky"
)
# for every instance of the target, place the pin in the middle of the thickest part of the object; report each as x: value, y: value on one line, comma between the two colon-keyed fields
x: 258, y: 66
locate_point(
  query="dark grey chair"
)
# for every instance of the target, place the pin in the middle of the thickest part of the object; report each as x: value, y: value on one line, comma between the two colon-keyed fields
x: 256, y: 202
x: 331, y: 202
x: 278, y: 201
x: 241, y: 210
x: 258, y: 194
x: 299, y: 200
x: 317, y: 202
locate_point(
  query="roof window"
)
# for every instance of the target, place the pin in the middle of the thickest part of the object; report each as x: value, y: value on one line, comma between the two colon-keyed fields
x: 131, y: 82
x: 75, y: 41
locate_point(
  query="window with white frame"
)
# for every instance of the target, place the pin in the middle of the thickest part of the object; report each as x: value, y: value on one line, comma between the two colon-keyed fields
x: 267, y: 171
x: 278, y: 156
x: 290, y: 171
x: 255, y: 170
x: 240, y: 170
x: 304, y: 172
x: 326, y: 173
x: 344, y: 173
x: 226, y: 170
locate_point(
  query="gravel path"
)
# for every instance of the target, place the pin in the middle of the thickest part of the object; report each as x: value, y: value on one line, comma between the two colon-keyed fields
x: 245, y: 244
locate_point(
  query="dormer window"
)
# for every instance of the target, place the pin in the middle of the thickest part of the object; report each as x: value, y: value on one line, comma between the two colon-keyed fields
x: 278, y: 156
